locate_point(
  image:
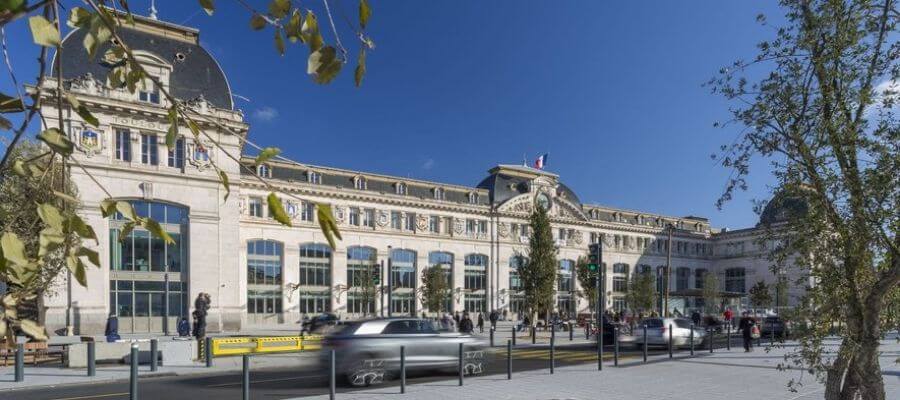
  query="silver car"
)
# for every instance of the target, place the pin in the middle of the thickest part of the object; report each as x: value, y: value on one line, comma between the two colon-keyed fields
x: 368, y: 351
x: 658, y: 332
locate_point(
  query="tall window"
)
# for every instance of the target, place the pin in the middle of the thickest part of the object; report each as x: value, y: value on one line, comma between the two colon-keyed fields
x: 434, y: 224
x: 410, y: 222
x: 176, y: 154
x: 396, y: 218
x: 307, y: 211
x: 515, y: 283
x: 476, y: 272
x: 403, y: 278
x: 264, y: 276
x: 315, y: 274
x: 699, y: 278
x: 438, y: 193
x: 473, y: 198
x: 620, y: 284
x: 368, y: 218
x: 314, y: 177
x: 255, y: 206
x: 123, y: 145
x: 354, y: 216
x: 682, y: 278
x: 149, y: 149
x: 444, y: 261
x: 471, y: 227
x: 400, y: 188
x: 565, y: 275
x: 735, y: 280
x: 363, y: 272
x: 359, y: 183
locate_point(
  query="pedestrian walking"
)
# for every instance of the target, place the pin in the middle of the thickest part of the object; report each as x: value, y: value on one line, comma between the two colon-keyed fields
x: 746, y: 326
x: 696, y: 318
x: 465, y: 324
x: 728, y: 315
x: 494, y: 317
x: 456, y: 318
x: 480, y: 323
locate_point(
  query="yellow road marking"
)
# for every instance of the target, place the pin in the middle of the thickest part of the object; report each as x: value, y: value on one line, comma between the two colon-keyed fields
x: 267, y: 380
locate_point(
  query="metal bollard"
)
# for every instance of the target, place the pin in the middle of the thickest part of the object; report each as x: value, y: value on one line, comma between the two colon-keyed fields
x: 513, y: 329
x: 20, y: 362
x: 154, y: 351
x: 461, y: 370
x: 208, y: 352
x: 331, y: 379
x: 133, y: 387
x: 728, y: 341
x: 571, y: 332
x: 492, y: 337
x: 670, y: 340
x: 772, y: 336
x: 600, y: 346
x: 91, y: 358
x: 245, y: 382
x: 403, y: 366
x: 616, y: 348
x: 508, y: 359
x: 712, y: 338
x: 645, y: 343
x: 552, y: 349
x: 587, y: 331
x: 533, y: 335
x: 759, y: 340
x: 692, y: 339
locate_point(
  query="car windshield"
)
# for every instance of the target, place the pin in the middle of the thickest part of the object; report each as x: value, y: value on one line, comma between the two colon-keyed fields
x: 683, y: 323
x: 347, y: 328
x: 653, y: 323
x: 409, y: 326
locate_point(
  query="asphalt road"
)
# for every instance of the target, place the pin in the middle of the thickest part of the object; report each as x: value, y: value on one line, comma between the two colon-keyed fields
x: 309, y: 381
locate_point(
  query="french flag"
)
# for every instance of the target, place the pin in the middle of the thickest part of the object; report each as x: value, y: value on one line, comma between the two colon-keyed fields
x: 541, y: 161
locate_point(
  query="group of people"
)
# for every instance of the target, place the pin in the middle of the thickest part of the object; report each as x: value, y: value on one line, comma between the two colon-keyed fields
x: 464, y: 324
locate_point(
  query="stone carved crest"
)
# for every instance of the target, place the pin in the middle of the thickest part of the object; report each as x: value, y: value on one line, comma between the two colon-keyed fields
x: 339, y: 214
x: 522, y: 207
x: 503, y: 229
x: 86, y: 84
x: 630, y: 242
x: 421, y: 222
x: 458, y: 226
x: 199, y: 155
x: 382, y: 219
x: 89, y: 141
x: 579, y: 237
x: 242, y: 205
x: 292, y: 208
x: 199, y: 104
x: 607, y: 240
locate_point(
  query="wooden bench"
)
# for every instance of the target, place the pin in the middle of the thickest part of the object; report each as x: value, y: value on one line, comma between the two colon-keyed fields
x: 37, y: 351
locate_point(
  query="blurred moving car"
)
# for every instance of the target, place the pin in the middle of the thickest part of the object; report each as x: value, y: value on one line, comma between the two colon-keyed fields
x: 368, y: 351
x: 658, y: 332
x: 319, y: 322
x: 776, y: 325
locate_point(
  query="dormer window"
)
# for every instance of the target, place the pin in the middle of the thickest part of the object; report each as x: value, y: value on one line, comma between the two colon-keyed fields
x: 640, y: 219
x: 473, y: 198
x: 438, y: 193
x: 359, y: 183
x: 264, y: 171
x: 313, y: 177
x: 400, y: 188
x: 149, y: 95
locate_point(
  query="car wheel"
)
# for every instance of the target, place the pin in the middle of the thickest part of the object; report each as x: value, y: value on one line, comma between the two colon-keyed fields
x: 369, y: 370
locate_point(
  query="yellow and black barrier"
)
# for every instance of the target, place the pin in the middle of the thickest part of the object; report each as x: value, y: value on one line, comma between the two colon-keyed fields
x: 232, y: 346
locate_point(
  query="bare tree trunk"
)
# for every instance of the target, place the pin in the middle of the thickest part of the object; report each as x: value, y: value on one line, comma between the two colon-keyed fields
x: 834, y: 377
x: 871, y: 383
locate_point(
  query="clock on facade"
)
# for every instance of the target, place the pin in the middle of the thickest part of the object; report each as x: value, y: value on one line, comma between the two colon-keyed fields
x: 543, y: 201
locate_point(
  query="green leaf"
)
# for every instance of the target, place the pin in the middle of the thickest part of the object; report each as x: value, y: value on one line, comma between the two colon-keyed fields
x: 13, y: 248
x: 78, y: 18
x: 324, y: 65
x: 81, y: 228
x: 127, y: 211
x: 172, y: 133
x: 32, y: 329
x: 9, y: 104
x: 57, y: 141
x: 265, y: 155
x: 19, y: 168
x: 156, y: 229
x: 194, y: 128
x: 277, y: 210
x: 97, y: 34
x: 360, y: 67
x: 279, y: 42
x: 49, y: 240
x: 292, y: 29
x: 279, y: 8
x: 82, y: 111
x: 208, y: 6
x: 91, y: 255
x: 43, y: 32
x: 309, y: 32
x: 257, y: 22
x: 107, y: 207
x: 126, y: 230
x: 364, y: 13
x: 50, y: 215
x: 5, y: 124
x: 75, y: 265
x: 65, y: 197
x: 11, y: 7
x: 326, y: 223
x: 224, y: 177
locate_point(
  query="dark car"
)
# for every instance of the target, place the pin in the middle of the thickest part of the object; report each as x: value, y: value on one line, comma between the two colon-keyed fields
x: 776, y: 325
x: 319, y: 322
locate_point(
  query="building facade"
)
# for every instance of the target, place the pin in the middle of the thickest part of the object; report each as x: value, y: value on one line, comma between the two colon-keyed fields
x: 259, y: 272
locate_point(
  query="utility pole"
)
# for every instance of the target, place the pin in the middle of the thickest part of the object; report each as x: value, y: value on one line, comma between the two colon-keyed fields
x: 390, y: 282
x: 665, y: 312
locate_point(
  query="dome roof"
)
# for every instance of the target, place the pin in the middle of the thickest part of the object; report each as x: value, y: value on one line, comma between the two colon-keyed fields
x: 782, y: 208
x: 194, y: 71
x: 508, y: 181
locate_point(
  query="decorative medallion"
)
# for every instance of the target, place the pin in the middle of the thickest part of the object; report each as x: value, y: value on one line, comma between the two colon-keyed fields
x: 579, y: 237
x: 339, y: 214
x: 89, y: 142
x: 608, y: 240
x: 458, y: 226
x: 421, y: 222
x: 542, y: 200
x: 292, y: 209
x: 383, y: 218
x: 503, y: 229
x: 199, y: 156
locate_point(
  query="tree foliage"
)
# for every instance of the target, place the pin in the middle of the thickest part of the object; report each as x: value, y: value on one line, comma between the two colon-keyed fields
x: 820, y: 101
x: 588, y: 281
x: 710, y: 293
x: 435, y: 289
x: 759, y: 295
x: 641, y: 294
x: 365, y: 288
x: 538, y: 273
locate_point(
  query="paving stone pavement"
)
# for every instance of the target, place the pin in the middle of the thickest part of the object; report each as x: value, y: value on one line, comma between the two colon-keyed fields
x: 723, y: 375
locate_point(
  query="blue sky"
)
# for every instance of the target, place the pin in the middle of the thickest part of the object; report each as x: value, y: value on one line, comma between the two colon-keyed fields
x: 611, y: 90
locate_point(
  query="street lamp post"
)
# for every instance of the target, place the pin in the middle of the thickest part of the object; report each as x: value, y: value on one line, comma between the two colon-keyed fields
x: 390, y: 282
x: 665, y: 312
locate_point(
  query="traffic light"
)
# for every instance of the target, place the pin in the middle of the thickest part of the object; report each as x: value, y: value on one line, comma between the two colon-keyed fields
x: 593, y: 257
x: 376, y: 277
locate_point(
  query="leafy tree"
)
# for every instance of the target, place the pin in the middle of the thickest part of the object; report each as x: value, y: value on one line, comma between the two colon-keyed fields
x: 538, y: 274
x: 435, y: 289
x: 710, y: 293
x: 588, y: 281
x: 820, y: 101
x: 641, y: 294
x: 781, y: 292
x: 759, y: 295
x: 21, y: 266
x: 366, y: 288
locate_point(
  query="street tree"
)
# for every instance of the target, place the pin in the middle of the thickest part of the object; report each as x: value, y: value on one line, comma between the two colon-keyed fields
x: 538, y: 274
x: 435, y: 289
x: 365, y: 285
x: 819, y: 101
x: 588, y: 280
x: 759, y: 295
x: 641, y: 294
x: 710, y: 293
x: 20, y: 267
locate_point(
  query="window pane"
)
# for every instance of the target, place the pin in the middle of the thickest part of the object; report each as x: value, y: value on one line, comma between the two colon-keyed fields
x: 156, y: 304
x: 141, y: 304
x: 123, y: 302
x: 173, y: 253
x: 141, y: 250
x: 157, y: 254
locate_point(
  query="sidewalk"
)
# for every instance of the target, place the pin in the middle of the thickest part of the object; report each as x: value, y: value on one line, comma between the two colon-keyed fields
x: 731, y: 375
x: 38, y: 376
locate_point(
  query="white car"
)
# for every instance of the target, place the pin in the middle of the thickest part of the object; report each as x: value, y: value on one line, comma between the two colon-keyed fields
x: 658, y: 332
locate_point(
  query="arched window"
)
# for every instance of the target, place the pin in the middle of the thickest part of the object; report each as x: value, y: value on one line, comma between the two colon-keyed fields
x: 403, y: 278
x: 444, y: 260
x: 473, y: 198
x: 438, y: 193
x: 313, y: 177
x: 359, y: 183
x: 139, y: 263
x: 264, y: 171
x: 476, y: 272
x: 315, y: 276
x: 400, y: 188
x: 363, y: 274
x: 515, y: 262
x: 264, y: 276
